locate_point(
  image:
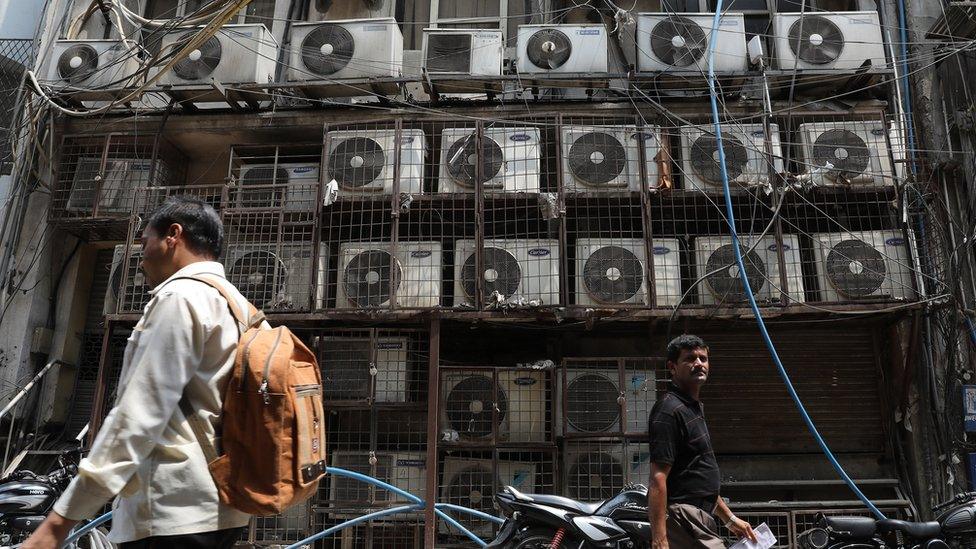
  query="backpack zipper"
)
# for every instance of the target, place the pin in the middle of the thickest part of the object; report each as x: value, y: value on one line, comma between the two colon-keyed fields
x: 263, y: 389
x: 244, y: 360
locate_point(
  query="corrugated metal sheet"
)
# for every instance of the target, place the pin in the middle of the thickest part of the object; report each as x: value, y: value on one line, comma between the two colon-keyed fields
x: 835, y: 372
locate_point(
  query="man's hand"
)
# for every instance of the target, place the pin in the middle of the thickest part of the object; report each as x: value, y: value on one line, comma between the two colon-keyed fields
x: 51, y: 533
x: 742, y: 529
x: 659, y: 542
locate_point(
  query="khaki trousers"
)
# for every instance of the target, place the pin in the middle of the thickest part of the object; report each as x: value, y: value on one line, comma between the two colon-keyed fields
x: 691, y: 528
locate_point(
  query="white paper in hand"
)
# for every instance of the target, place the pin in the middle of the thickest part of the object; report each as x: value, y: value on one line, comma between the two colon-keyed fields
x: 764, y: 539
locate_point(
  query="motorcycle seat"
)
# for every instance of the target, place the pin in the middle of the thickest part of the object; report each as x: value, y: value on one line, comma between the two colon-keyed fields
x: 914, y: 530
x: 851, y: 527
x: 557, y: 501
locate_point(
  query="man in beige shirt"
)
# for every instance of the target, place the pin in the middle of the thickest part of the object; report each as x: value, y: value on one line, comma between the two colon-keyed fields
x: 146, y: 452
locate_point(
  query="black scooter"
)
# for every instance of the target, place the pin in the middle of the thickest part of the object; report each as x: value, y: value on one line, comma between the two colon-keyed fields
x: 26, y: 498
x: 955, y: 528
x: 537, y: 521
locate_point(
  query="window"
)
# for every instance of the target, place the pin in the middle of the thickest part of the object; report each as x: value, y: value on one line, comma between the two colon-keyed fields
x: 258, y: 11
x: 506, y: 15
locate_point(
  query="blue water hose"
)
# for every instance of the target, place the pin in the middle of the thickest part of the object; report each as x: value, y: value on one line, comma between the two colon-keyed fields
x: 87, y: 527
x: 730, y: 215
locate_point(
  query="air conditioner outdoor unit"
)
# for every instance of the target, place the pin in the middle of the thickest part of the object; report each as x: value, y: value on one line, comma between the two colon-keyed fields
x: 279, y: 277
x: 679, y: 43
x: 746, y: 162
x: 524, y: 272
x: 91, y: 65
x: 472, y: 52
x: 551, y: 49
x: 369, y: 273
x: 591, y: 401
x: 352, y: 365
x: 115, y: 186
x: 471, y: 409
x: 405, y: 470
x: 126, y: 277
x: 594, y: 472
x: 509, y: 160
x: 862, y: 265
x: 355, y: 48
x: 292, y: 187
x: 362, y: 161
x: 857, y: 151
x: 237, y: 54
x: 472, y: 483
x: 607, y: 158
x: 715, y: 254
x: 842, y: 40
x: 612, y: 271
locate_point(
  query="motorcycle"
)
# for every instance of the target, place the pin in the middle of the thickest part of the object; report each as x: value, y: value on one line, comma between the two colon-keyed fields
x: 26, y: 498
x: 955, y: 527
x: 539, y: 521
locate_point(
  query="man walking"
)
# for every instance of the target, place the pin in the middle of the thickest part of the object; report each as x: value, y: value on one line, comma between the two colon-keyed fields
x: 683, y: 496
x: 146, y: 452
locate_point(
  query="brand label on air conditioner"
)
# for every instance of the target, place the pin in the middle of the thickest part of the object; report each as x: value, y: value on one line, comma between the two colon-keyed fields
x: 539, y: 252
x: 879, y: 132
x: 389, y: 345
x: 304, y: 169
x: 520, y: 137
x: 758, y: 133
x: 588, y: 32
x: 421, y: 253
x: 406, y: 140
x: 525, y: 381
x: 642, y: 136
x: 411, y: 463
x: 774, y: 247
x: 374, y: 28
x: 895, y: 241
x: 140, y: 166
x: 661, y: 250
x: 727, y: 22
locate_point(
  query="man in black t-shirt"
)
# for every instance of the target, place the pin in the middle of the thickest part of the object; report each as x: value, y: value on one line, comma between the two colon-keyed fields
x: 683, y: 493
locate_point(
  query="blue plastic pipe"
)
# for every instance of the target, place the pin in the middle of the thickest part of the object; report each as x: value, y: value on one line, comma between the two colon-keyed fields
x: 352, y: 522
x: 88, y: 527
x: 730, y: 216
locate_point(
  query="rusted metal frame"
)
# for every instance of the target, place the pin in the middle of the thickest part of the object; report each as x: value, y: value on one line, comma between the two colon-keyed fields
x: 98, y: 404
x: 479, y: 218
x: 317, y: 239
x: 97, y: 195
x: 373, y: 335
x: 395, y: 208
x: 564, y: 291
x: 647, y: 233
x: 622, y: 397
x: 433, y: 405
x: 125, y: 266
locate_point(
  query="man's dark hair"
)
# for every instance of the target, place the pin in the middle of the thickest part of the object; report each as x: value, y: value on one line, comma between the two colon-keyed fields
x: 202, y: 228
x: 684, y: 342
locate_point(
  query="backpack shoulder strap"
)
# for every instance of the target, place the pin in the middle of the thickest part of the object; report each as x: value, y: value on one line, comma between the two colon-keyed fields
x: 254, y: 317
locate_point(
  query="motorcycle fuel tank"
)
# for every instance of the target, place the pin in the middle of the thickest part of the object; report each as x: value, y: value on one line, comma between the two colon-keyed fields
x: 959, y: 519
x: 598, y: 529
x: 27, y: 496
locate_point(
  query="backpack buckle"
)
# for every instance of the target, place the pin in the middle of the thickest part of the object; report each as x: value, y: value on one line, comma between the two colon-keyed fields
x: 313, y: 471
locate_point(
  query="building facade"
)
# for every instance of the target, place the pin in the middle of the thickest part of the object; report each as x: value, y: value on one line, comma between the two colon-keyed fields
x: 488, y: 218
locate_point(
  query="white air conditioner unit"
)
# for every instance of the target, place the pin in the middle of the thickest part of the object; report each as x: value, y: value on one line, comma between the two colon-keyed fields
x: 509, y: 160
x: 746, y: 162
x: 607, y: 158
x: 551, y: 49
x: 355, y: 48
x: 857, y: 150
x: 594, y: 472
x: 115, y: 186
x: 471, y: 409
x: 237, y: 54
x: 91, y: 65
x: 861, y: 265
x: 592, y: 404
x: 405, y: 470
x: 279, y: 277
x: 471, y: 52
x: 473, y: 483
x: 370, y: 272
x: 612, y: 271
x: 679, y: 43
x: 362, y: 161
x: 842, y: 40
x: 128, y: 278
x: 289, y: 186
x: 351, y: 365
x: 716, y: 254
x: 523, y: 272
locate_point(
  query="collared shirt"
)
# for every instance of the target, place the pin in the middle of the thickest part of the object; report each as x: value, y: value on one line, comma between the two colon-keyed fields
x: 679, y: 437
x: 146, y: 452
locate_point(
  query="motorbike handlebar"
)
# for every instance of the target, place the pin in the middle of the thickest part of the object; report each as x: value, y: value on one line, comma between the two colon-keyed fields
x: 958, y: 498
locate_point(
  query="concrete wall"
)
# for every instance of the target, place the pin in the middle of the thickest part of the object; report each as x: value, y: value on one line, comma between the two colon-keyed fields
x: 19, y: 18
